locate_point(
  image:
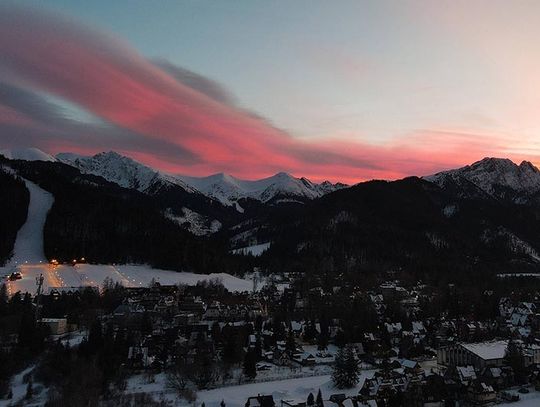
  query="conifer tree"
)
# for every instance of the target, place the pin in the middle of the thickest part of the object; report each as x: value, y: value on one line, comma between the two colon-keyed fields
x: 514, y: 358
x: 319, y: 401
x: 310, y: 400
x: 250, y: 368
x: 346, y: 370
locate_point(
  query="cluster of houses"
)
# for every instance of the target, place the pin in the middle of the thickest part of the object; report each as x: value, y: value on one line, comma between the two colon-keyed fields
x: 414, y: 357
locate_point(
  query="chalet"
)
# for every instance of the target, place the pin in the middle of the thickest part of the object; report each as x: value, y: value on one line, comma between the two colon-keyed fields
x: 499, y: 377
x: 260, y: 401
x: 479, y: 392
x: 410, y: 366
x: 293, y: 403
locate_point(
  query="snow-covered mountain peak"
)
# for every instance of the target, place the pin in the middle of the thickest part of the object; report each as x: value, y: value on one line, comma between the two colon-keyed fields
x: 225, y: 188
x: 26, y: 154
x: 121, y: 170
x: 282, y: 186
x: 495, y: 176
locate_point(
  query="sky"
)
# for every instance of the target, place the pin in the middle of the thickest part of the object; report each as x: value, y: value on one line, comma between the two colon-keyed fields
x: 344, y: 90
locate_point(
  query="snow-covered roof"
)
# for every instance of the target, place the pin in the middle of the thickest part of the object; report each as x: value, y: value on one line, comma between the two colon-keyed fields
x: 466, y: 372
x: 487, y: 350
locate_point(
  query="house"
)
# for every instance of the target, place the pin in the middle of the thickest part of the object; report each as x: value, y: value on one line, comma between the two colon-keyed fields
x: 466, y: 374
x: 499, y: 377
x: 260, y: 401
x: 57, y: 326
x: 480, y: 393
x: 410, y: 366
x: 337, y: 398
x: 293, y: 403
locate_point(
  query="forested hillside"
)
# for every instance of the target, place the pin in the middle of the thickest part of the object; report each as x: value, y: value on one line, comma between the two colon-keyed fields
x: 408, y: 224
x: 105, y: 223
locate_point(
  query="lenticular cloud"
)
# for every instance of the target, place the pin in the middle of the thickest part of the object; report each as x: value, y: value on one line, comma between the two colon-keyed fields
x: 171, y: 118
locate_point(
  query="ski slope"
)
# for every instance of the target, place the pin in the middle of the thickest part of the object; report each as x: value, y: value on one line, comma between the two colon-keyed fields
x: 66, y: 277
x: 28, y: 246
x: 29, y: 259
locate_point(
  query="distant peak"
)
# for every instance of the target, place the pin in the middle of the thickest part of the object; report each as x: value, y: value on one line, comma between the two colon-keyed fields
x: 221, y: 176
x: 529, y: 165
x: 110, y: 154
x: 494, y: 160
x: 26, y: 154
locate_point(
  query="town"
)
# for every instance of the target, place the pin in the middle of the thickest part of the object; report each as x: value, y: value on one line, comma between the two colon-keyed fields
x: 384, y: 341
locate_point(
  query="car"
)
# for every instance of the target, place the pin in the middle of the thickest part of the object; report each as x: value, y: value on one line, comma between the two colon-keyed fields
x: 509, y: 396
x: 523, y: 390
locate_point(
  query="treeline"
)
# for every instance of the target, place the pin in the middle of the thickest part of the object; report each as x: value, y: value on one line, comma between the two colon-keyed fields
x: 407, y: 225
x: 17, y: 321
x: 14, y: 198
x: 104, y: 223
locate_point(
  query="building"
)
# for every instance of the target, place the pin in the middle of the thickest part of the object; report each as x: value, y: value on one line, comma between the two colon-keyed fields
x: 57, y: 326
x: 479, y: 355
x: 260, y: 401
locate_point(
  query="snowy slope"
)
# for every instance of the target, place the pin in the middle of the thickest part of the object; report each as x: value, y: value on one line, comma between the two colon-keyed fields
x: 228, y: 189
x: 255, y: 250
x: 27, y: 154
x: 196, y: 223
x: 496, y: 177
x: 28, y: 246
x: 65, y: 277
x: 121, y: 170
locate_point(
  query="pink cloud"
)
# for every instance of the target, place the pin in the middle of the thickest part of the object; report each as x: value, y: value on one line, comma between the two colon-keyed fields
x: 108, y: 78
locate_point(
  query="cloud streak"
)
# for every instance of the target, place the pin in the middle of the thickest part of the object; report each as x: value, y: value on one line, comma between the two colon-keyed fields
x: 172, y: 118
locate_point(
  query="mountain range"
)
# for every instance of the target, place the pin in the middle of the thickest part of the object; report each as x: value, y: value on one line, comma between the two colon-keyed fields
x: 226, y: 189
x: 484, y: 216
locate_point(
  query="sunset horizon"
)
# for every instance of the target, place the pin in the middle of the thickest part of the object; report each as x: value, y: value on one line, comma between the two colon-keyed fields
x: 354, y: 103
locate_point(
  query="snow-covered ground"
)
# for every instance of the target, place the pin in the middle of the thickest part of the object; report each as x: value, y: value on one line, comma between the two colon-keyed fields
x: 29, y: 244
x: 18, y: 387
x: 198, y: 224
x: 255, y: 250
x: 236, y: 396
x: 67, y: 276
x: 29, y: 259
x: 526, y: 400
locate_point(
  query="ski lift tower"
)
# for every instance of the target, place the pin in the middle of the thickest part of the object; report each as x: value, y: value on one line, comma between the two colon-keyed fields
x: 39, y: 291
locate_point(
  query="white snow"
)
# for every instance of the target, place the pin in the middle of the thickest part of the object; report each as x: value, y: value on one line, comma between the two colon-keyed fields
x: 65, y: 277
x: 490, y: 174
x: 531, y: 399
x: 199, y: 225
x: 29, y: 258
x: 236, y: 396
x: 255, y: 250
x: 228, y: 189
x: 28, y: 246
x: 18, y: 387
x: 26, y: 154
x: 121, y: 170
